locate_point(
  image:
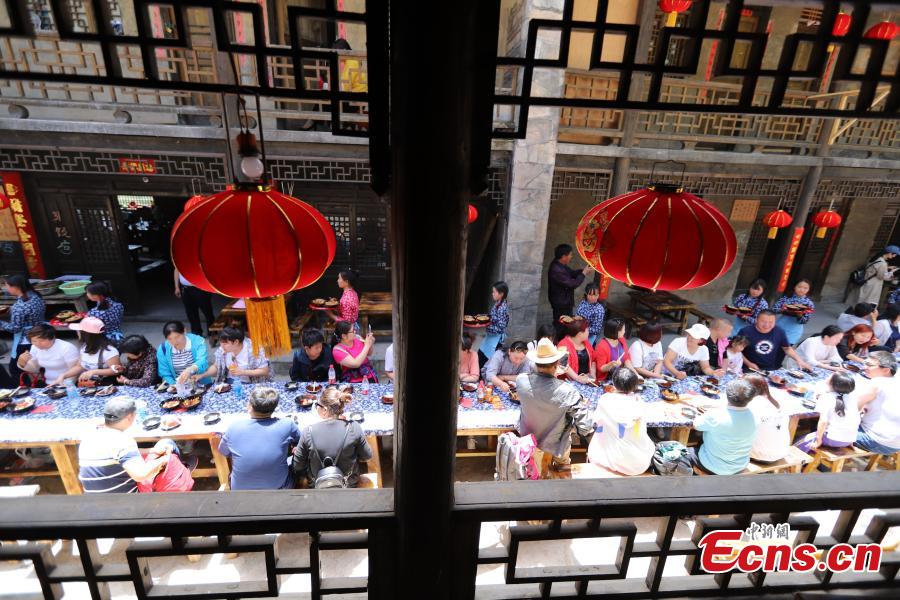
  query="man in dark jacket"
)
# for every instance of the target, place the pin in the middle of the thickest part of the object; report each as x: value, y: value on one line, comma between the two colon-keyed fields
x: 562, y: 282
x: 311, y: 362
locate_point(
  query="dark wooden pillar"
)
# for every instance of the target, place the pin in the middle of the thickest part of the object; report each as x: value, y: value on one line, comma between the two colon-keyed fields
x: 434, y: 129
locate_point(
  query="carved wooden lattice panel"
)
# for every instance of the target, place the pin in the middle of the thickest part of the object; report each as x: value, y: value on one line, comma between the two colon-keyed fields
x: 596, y: 182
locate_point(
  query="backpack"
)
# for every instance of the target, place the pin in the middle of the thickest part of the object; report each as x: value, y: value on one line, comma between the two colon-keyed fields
x: 858, y: 276
x: 671, y: 458
x: 330, y: 475
x: 515, y: 458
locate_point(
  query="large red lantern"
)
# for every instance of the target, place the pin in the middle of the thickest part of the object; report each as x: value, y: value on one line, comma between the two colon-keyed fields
x: 883, y: 31
x: 193, y: 201
x: 826, y: 219
x: 660, y: 238
x: 841, y: 24
x: 775, y: 220
x: 673, y: 8
x: 256, y: 243
x: 473, y: 214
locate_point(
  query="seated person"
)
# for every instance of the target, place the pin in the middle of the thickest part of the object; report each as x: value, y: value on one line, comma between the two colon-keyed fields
x: 719, y: 332
x: 773, y: 435
x: 468, y: 360
x: 879, y: 430
x: 140, y: 371
x: 235, y: 358
x: 580, y: 366
x: 333, y: 437
x: 311, y: 362
x: 99, y: 359
x: 734, y: 355
x: 861, y: 313
x: 647, y: 353
x: 620, y: 442
x: 728, y: 432
x: 352, y: 354
x: 259, y: 446
x: 820, y: 350
x: 389, y: 362
x: 688, y: 355
x: 505, y: 365
x: 838, y: 416
x: 768, y: 345
x: 544, y: 331
x: 182, y: 355
x: 52, y: 356
x: 856, y: 343
x: 108, y: 460
x: 611, y: 352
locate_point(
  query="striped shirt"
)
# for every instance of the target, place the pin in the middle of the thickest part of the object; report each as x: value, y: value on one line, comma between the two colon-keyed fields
x: 102, y: 458
x: 182, y: 359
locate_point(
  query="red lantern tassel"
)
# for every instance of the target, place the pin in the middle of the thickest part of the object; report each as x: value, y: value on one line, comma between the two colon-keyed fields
x: 267, y: 321
x: 773, y: 232
x: 820, y: 232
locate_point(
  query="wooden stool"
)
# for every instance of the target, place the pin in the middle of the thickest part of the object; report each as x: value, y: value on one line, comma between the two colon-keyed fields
x: 885, y: 461
x: 834, y: 458
x: 792, y: 463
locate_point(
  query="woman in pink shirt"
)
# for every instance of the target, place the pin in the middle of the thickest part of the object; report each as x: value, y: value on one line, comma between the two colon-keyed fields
x: 348, y: 309
x: 353, y: 354
x: 468, y: 360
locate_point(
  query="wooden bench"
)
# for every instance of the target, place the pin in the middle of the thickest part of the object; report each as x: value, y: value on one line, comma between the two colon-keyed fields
x: 592, y: 471
x: 19, y: 491
x: 298, y: 324
x: 792, y: 463
x: 634, y: 320
x: 835, y: 458
x: 702, y: 317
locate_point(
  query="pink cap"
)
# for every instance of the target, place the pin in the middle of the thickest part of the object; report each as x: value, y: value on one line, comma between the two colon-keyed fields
x: 88, y: 325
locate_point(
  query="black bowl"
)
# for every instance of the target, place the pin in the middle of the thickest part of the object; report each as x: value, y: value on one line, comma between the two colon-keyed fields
x: 356, y: 416
x: 170, y: 403
x: 23, y: 406
x: 211, y: 418
x: 291, y: 386
x: 305, y: 401
x: 851, y: 367
x: 710, y: 390
x: 151, y: 423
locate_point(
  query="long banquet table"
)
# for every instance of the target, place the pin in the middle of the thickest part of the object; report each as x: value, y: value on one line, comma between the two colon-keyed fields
x: 61, y: 424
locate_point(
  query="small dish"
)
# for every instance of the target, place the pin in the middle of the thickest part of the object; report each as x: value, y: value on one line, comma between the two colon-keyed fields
x: 388, y: 398
x: 170, y: 404
x: 109, y: 390
x: 514, y: 397
x: 796, y: 374
x: 712, y: 380
x: 169, y: 423
x: 222, y: 388
x: 4, y: 404
x: 668, y: 395
x: 777, y: 381
x: 211, y: 418
x: 23, y: 405
x: 609, y: 388
x: 688, y: 412
x: 808, y: 403
x: 710, y: 390
x: 482, y: 318
x: 56, y: 394
x: 151, y: 423
x: 191, y: 402
x: 162, y: 388
x: 21, y: 391
x: 356, y: 416
x: 663, y: 384
x: 313, y: 388
x: 468, y: 387
x: 305, y: 400
x: 851, y: 367
x: 292, y: 386
x: 88, y: 391
x: 796, y: 390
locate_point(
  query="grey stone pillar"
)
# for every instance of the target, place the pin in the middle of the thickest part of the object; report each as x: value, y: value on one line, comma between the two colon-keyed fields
x: 533, y: 161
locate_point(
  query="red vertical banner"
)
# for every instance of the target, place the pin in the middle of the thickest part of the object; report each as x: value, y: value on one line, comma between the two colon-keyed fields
x: 342, y: 26
x: 789, y: 261
x: 604, y: 286
x: 18, y: 206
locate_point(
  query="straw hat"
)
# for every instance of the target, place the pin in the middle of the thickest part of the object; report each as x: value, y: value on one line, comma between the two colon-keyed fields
x: 546, y: 353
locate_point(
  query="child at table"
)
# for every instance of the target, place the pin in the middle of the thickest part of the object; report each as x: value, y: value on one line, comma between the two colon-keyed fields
x: 734, y: 354
x: 838, y: 416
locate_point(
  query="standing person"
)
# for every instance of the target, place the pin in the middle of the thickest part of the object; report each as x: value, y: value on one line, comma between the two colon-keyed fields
x: 719, y: 332
x: 838, y: 416
x: 194, y: 300
x: 108, y: 309
x: 581, y: 366
x: 141, y: 370
x: 27, y: 311
x: 348, y: 308
x: 768, y: 345
x: 496, y: 331
x: 312, y: 360
x: 344, y: 442
x: 108, y: 460
x: 592, y: 310
x: 820, y: 350
x: 235, y: 357
x: 879, y: 430
x: 352, y: 354
x: 647, y: 353
x: 612, y: 351
x: 47, y: 354
x: 688, y: 355
x: 753, y: 299
x: 259, y: 446
x: 99, y: 359
x: 550, y: 408
x: 728, y: 432
x: 856, y: 343
x: 182, y: 355
x: 561, y: 284
x: 620, y: 442
x: 469, y: 369
x: 877, y: 272
x: 793, y: 324
x: 773, y: 435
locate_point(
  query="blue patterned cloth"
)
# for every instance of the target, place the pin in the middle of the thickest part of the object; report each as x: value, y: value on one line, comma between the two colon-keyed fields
x: 748, y: 301
x: 894, y: 297
x: 793, y: 325
x: 112, y: 317
x: 595, y: 315
x: 24, y: 315
x: 499, y: 319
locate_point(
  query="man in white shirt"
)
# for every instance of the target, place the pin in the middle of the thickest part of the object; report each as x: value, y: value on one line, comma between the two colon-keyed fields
x: 879, y: 430
x: 54, y: 356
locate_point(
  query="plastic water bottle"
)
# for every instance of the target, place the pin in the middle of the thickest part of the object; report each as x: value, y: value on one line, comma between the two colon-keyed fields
x: 238, y: 389
x: 141, y: 406
x: 332, y: 376
x: 365, y: 386
x: 71, y: 390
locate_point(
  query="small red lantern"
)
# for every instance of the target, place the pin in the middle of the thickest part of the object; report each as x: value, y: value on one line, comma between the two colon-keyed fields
x: 826, y: 219
x: 673, y: 8
x: 660, y: 238
x: 883, y: 31
x: 256, y: 243
x: 841, y: 24
x: 775, y: 220
x: 473, y: 214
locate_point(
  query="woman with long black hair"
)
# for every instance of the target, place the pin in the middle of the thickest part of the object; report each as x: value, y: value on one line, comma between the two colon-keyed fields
x: 27, y: 311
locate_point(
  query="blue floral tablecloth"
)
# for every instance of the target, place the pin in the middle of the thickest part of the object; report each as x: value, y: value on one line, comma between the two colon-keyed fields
x: 64, y: 419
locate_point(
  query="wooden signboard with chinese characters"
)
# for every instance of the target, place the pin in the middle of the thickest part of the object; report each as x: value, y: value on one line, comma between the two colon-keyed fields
x: 24, y: 224
x: 744, y: 211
